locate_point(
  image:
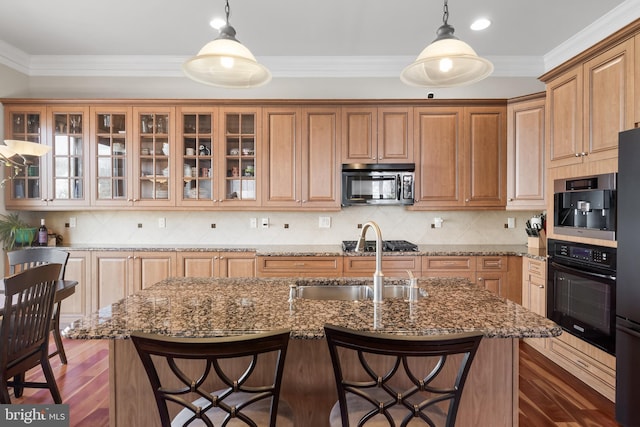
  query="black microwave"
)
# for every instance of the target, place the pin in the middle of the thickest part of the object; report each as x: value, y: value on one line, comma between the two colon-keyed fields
x: 377, y: 184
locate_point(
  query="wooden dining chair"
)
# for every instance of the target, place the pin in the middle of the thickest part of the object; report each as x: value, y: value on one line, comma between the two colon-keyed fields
x: 251, y: 383
x: 24, y: 333
x: 24, y: 259
x: 396, y: 380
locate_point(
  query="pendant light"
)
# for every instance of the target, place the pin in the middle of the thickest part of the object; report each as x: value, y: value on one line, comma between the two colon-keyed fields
x: 225, y: 62
x: 446, y: 62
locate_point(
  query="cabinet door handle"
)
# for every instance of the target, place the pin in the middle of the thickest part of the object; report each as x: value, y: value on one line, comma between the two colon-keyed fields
x: 479, y: 279
x: 578, y: 154
x: 541, y: 286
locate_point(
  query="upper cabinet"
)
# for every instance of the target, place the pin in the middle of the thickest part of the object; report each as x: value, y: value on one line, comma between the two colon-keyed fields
x: 525, y: 153
x: 130, y: 150
x: 588, y: 105
x: 60, y: 178
x: 197, y: 154
x: 461, y: 154
x: 377, y: 135
x: 300, y: 157
x: 240, y: 150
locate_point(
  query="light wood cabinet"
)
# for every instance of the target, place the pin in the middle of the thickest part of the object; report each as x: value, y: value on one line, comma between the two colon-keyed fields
x: 491, y: 273
x: 438, y: 150
x: 588, y: 105
x: 79, y: 304
x: 462, y: 157
x: 117, y: 274
x: 525, y: 153
x: 300, y: 158
x: 392, y: 266
x: 485, y: 156
x: 240, y: 138
x: 534, y: 293
x: 196, y: 153
x: 299, y: 266
x: 377, y: 135
x: 216, y: 264
x: 59, y: 179
x: 449, y: 266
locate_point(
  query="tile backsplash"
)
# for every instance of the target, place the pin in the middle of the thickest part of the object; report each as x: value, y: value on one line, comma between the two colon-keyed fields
x: 218, y: 228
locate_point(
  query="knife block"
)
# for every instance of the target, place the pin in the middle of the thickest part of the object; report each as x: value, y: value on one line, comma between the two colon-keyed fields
x: 537, y: 242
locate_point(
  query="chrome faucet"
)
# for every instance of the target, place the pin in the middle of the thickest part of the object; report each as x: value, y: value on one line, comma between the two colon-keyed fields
x: 377, y: 275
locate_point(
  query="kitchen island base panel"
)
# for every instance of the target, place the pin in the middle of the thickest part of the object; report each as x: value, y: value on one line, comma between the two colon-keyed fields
x: 490, y: 396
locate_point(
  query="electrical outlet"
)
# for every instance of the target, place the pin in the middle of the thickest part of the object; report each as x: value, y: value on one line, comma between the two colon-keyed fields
x: 324, y: 222
x: 253, y: 223
x: 264, y: 222
x: 511, y: 223
x: 162, y: 222
x: 72, y: 222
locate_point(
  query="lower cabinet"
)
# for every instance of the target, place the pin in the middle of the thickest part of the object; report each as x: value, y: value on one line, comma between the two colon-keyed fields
x: 79, y: 304
x: 499, y: 274
x: 117, y: 274
x: 299, y: 266
x: 449, y: 266
x: 534, y: 293
x: 216, y: 264
x: 392, y: 266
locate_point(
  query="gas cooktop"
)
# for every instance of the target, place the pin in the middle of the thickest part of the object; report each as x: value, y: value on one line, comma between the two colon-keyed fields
x: 387, y: 246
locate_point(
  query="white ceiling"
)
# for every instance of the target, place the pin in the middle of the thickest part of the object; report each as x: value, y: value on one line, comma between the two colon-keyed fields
x: 295, y: 37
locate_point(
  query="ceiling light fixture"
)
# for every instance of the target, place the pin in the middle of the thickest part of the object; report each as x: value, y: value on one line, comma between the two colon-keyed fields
x: 446, y: 62
x: 19, y: 154
x: 225, y: 62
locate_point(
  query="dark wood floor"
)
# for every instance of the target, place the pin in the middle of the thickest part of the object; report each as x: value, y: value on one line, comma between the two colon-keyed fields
x: 549, y: 396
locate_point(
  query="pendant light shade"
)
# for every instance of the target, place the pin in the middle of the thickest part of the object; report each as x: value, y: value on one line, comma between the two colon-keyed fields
x: 225, y: 62
x: 446, y: 62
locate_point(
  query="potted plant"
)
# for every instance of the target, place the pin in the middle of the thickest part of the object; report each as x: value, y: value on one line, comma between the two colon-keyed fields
x: 15, y: 232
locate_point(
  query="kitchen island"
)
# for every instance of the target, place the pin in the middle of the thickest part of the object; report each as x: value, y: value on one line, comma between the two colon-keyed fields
x: 203, y: 307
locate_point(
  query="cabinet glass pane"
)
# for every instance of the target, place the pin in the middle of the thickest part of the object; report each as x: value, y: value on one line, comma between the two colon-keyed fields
x: 240, y: 154
x: 198, y: 157
x: 154, y: 156
x: 67, y: 156
x: 112, y: 156
x: 25, y: 184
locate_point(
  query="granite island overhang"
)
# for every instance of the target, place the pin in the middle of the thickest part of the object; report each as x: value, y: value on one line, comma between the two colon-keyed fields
x: 202, y: 307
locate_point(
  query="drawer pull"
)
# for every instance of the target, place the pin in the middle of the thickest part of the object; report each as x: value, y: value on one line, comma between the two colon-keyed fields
x: 541, y: 286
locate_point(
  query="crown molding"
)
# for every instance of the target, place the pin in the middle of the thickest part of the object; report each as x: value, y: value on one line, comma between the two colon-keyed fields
x: 280, y: 66
x: 614, y: 20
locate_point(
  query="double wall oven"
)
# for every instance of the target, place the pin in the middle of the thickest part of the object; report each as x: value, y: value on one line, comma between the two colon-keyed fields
x: 581, y: 294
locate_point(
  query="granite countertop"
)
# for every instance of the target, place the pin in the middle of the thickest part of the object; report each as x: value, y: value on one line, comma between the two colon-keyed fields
x: 204, y: 307
x: 329, y: 250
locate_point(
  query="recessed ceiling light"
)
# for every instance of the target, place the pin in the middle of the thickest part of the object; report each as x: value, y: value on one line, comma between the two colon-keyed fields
x: 480, y: 24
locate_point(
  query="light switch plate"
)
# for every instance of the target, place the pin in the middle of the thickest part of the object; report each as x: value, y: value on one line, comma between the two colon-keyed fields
x: 72, y: 222
x: 264, y: 222
x: 511, y: 223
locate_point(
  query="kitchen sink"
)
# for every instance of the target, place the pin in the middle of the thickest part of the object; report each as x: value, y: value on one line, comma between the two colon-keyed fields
x: 350, y: 292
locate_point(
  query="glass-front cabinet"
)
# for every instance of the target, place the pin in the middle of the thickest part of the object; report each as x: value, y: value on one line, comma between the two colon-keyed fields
x: 153, y: 151
x: 23, y: 185
x: 58, y: 178
x: 68, y: 132
x: 131, y: 151
x: 111, y: 145
x: 241, y: 145
x: 197, y: 157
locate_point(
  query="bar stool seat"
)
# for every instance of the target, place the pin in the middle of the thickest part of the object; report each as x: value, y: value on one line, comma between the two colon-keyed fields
x: 387, y: 380
x: 197, y: 363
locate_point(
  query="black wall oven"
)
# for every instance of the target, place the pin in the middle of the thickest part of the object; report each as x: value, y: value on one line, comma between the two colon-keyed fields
x: 581, y: 294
